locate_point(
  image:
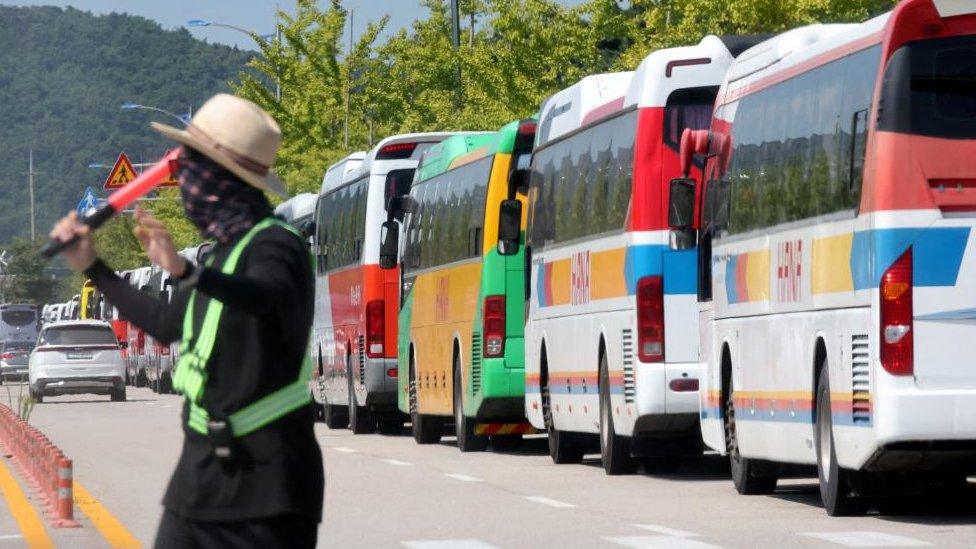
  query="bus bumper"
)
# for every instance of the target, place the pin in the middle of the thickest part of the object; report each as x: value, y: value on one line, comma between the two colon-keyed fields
x: 921, y: 430
x: 381, y: 387
x: 663, y: 390
x: 499, y: 390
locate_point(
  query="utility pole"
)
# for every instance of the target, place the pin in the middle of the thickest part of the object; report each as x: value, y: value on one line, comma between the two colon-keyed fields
x: 278, y: 39
x: 30, y: 184
x: 456, y: 41
x: 352, y: 16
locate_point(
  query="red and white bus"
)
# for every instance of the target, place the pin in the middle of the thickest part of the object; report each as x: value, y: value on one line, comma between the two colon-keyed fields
x: 611, y: 338
x: 837, y: 256
x: 355, y: 331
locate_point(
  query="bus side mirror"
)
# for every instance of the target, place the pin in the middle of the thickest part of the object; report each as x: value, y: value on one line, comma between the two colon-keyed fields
x: 389, y: 244
x: 681, y: 204
x: 509, y: 226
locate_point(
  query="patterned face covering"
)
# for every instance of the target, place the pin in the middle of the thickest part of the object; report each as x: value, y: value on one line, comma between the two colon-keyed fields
x: 217, y: 201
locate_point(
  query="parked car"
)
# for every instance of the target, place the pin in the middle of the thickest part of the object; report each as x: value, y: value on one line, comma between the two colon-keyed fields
x: 77, y: 357
x: 14, y: 356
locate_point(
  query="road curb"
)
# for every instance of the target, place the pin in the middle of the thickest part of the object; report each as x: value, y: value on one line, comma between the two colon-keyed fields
x: 43, y: 465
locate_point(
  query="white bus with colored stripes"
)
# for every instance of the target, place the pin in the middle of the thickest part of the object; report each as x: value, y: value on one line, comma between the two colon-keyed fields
x: 837, y: 256
x: 611, y: 334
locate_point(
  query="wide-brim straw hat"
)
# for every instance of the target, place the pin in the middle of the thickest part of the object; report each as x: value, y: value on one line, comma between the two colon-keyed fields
x: 238, y: 135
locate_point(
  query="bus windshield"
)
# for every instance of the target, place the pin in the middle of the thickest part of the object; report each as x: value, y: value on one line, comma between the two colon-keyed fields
x: 932, y: 87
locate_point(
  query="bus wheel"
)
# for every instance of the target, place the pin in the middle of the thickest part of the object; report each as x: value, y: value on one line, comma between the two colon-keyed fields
x: 835, y: 485
x: 166, y: 384
x: 360, y: 419
x: 467, y: 440
x: 426, y: 429
x: 335, y: 417
x: 747, y: 474
x: 614, y: 449
x: 563, y: 447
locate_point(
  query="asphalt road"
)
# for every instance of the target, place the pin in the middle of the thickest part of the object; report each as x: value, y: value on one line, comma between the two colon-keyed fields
x: 386, y: 491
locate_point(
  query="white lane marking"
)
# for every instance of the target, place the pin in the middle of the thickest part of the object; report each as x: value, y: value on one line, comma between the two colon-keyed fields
x: 549, y: 502
x: 659, y: 542
x: 11, y: 536
x: 462, y: 478
x: 665, y: 530
x: 168, y: 406
x: 866, y: 539
x: 344, y: 450
x: 397, y: 462
x: 449, y: 544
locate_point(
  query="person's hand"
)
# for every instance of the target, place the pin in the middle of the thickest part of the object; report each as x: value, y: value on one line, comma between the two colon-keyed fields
x: 81, y: 254
x: 158, y: 243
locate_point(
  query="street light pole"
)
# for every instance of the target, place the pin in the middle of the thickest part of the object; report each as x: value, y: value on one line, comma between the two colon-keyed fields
x: 183, y: 119
x: 193, y: 23
x: 30, y: 183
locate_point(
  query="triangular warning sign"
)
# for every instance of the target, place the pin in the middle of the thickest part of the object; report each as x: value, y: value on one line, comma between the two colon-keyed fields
x: 121, y: 173
x: 170, y: 181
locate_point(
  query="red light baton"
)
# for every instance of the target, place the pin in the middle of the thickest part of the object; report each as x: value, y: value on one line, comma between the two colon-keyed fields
x: 120, y: 199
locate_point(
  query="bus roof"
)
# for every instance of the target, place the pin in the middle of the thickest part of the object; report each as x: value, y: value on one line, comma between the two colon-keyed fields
x: 567, y: 110
x: 797, y: 46
x: 396, y: 148
x: 297, y: 207
x: 336, y: 173
x: 656, y: 78
x: 456, y: 151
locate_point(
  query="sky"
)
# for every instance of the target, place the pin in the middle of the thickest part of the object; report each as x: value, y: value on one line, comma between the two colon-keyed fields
x: 256, y: 15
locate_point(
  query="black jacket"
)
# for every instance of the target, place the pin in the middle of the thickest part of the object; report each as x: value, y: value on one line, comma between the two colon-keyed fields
x: 263, y: 334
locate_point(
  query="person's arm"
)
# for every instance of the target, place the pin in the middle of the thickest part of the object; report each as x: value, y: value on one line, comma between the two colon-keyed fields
x: 163, y: 321
x: 269, y: 282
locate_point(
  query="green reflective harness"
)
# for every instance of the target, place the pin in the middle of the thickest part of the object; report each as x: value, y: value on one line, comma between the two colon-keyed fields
x: 190, y: 376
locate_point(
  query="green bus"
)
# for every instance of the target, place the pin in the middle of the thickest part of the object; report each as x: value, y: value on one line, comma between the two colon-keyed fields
x: 460, y: 343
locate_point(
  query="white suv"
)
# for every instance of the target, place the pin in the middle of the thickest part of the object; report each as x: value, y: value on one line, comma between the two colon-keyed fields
x: 77, y: 357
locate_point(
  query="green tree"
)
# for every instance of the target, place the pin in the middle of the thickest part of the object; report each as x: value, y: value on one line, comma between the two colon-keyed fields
x: 28, y: 281
x: 655, y: 24
x: 65, y: 74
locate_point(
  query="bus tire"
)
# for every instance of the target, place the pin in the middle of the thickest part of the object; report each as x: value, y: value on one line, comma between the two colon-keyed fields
x: 748, y: 476
x: 335, y: 417
x: 425, y: 429
x: 467, y: 440
x: 563, y: 447
x: 835, y: 482
x: 614, y: 449
x: 361, y: 421
x: 166, y: 384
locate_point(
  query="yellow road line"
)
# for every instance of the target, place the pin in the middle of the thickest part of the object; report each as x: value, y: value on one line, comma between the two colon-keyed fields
x: 111, y: 529
x: 23, y: 512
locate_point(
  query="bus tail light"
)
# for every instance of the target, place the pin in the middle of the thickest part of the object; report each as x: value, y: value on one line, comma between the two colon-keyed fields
x: 897, y: 345
x: 650, y: 319
x: 493, y: 319
x: 375, y: 328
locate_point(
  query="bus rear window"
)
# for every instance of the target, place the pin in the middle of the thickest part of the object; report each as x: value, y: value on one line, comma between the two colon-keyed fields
x: 18, y: 318
x: 79, y: 335
x: 931, y: 87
